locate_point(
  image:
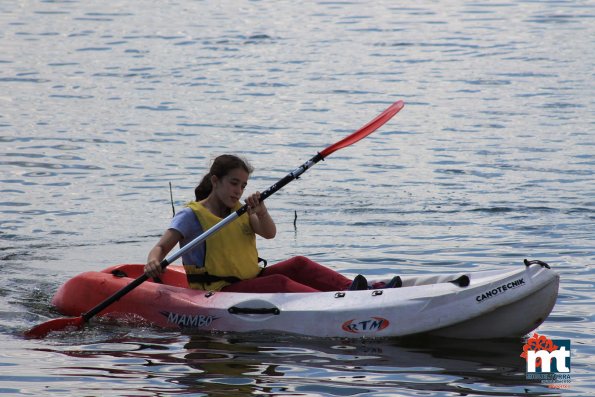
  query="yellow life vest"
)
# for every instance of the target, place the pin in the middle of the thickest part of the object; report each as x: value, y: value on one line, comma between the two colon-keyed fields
x: 231, y: 252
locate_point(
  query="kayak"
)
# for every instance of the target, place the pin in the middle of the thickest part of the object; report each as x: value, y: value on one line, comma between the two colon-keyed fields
x: 474, y: 305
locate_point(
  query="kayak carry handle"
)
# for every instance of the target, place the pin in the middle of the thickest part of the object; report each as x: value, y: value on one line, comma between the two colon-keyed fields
x: 249, y: 310
x: 536, y: 262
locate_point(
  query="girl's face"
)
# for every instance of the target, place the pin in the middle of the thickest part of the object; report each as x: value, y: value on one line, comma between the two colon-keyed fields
x: 230, y: 188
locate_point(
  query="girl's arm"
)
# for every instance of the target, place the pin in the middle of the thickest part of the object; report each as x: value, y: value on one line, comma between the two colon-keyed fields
x: 260, y: 219
x: 165, y: 244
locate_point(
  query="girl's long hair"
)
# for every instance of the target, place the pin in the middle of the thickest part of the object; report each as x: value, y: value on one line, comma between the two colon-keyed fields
x: 221, y: 166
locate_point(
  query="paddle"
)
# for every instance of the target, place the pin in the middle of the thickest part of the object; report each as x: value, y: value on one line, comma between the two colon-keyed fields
x: 58, y: 324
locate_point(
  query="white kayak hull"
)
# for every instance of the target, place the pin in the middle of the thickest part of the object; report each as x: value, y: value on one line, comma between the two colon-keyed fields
x: 494, y: 304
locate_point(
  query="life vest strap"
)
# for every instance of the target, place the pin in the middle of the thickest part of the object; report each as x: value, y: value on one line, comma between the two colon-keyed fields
x: 206, y: 278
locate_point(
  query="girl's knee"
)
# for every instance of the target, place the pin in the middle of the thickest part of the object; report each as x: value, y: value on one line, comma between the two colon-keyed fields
x: 282, y: 283
x: 301, y: 260
x: 278, y: 279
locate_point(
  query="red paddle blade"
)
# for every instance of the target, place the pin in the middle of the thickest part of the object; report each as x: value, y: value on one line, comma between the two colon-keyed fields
x: 59, y: 324
x: 366, y: 129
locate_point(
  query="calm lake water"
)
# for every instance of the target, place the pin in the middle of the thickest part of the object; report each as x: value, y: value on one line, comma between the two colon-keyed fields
x: 492, y: 160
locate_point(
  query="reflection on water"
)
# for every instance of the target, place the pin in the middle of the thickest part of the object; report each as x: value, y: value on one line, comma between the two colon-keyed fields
x: 282, y: 365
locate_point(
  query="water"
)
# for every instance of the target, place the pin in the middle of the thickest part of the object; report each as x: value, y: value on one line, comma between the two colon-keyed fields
x: 102, y: 105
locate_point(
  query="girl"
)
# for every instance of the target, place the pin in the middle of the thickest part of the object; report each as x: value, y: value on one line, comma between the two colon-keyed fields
x: 228, y: 260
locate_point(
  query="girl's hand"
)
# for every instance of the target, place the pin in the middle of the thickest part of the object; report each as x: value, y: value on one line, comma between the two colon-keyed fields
x: 255, y: 206
x: 260, y: 219
x: 153, y: 268
x: 165, y: 244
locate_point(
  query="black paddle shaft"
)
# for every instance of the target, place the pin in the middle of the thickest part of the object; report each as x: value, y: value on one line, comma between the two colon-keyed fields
x: 115, y: 297
x: 295, y: 174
